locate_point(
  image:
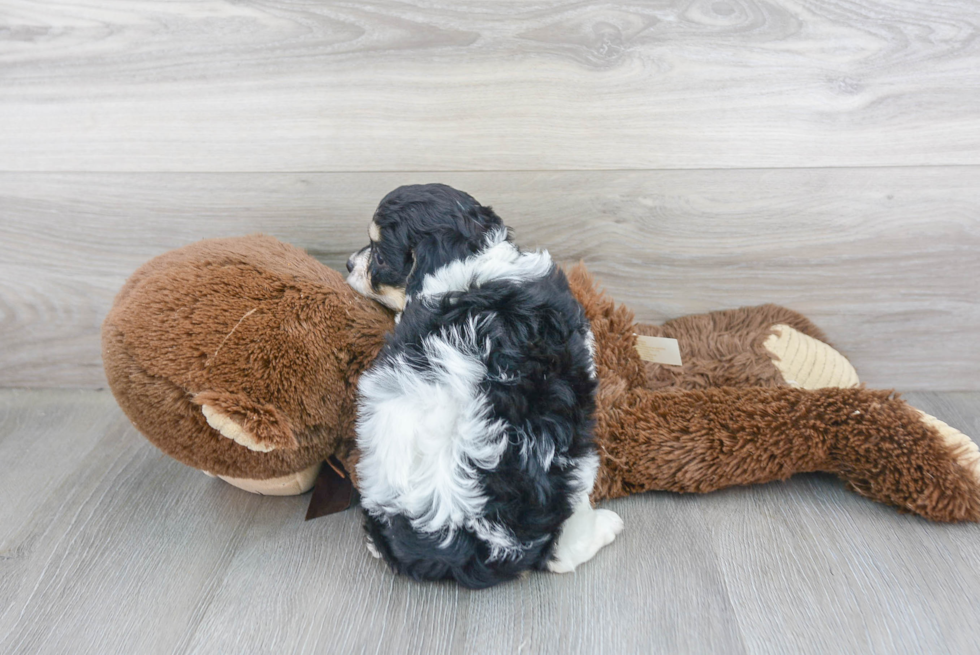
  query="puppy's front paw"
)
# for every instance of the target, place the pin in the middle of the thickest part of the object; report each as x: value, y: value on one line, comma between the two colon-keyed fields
x: 373, y: 549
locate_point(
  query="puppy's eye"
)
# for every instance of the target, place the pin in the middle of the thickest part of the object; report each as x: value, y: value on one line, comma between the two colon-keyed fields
x: 378, y: 259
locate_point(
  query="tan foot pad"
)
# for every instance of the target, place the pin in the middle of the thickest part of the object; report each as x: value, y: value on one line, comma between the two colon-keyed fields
x: 965, y: 452
x: 808, y: 363
x: 287, y: 485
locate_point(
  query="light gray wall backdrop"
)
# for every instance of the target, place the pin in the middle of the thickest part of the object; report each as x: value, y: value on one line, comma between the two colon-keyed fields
x: 697, y: 155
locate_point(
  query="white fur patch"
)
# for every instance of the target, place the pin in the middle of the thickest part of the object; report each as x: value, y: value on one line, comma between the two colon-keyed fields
x: 423, y: 433
x: 586, y: 470
x: 590, y: 343
x: 501, y: 260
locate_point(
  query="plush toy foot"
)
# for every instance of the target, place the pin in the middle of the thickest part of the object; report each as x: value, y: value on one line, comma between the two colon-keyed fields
x: 918, y: 463
x: 287, y: 485
x: 961, y: 447
x: 808, y: 363
x: 583, y: 534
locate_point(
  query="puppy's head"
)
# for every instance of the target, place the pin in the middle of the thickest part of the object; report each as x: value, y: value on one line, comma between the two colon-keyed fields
x: 416, y: 230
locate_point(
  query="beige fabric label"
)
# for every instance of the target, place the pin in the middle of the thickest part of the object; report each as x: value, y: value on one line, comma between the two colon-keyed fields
x: 659, y: 350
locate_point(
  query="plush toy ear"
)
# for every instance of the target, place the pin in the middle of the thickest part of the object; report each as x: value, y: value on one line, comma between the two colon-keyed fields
x: 261, y: 428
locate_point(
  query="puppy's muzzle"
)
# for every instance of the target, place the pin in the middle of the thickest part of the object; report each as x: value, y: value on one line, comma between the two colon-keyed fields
x: 352, y: 260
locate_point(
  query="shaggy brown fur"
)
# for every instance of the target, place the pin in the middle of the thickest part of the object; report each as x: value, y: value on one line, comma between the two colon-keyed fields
x: 274, y: 339
x: 723, y: 349
x: 254, y: 327
x: 706, y: 437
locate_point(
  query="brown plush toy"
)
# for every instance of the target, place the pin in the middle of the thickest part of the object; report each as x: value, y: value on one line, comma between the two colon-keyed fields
x: 240, y: 357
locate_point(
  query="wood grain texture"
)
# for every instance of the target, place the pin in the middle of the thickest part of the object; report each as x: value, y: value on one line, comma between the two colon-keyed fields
x: 811, y: 568
x: 296, y: 85
x: 118, y: 549
x: 832, y: 151
x: 883, y: 259
x: 40, y: 447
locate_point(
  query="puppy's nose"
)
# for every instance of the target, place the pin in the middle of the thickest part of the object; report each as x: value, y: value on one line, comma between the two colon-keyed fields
x: 350, y: 264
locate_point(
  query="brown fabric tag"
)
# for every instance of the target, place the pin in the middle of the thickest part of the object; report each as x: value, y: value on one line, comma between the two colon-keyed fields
x: 333, y: 491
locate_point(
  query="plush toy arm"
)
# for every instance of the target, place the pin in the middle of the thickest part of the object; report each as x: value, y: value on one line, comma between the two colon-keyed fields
x: 765, y: 346
x: 699, y: 441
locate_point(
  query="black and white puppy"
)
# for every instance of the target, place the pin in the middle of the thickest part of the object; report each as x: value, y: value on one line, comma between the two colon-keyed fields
x: 475, y: 421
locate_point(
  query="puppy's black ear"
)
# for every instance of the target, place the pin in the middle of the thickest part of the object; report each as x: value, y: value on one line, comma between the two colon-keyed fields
x: 435, y: 251
x: 441, y: 225
x: 486, y: 219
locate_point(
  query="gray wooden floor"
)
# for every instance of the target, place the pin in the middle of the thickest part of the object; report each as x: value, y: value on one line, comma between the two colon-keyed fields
x: 107, y: 546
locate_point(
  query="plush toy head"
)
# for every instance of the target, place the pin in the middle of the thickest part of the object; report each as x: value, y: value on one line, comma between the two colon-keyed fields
x: 240, y: 357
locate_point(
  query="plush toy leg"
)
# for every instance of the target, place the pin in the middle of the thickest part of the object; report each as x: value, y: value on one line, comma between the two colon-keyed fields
x: 765, y: 346
x: 703, y: 440
x: 287, y: 485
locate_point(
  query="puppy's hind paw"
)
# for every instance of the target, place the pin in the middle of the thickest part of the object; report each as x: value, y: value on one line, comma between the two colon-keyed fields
x: 583, y: 535
x: 608, y: 525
